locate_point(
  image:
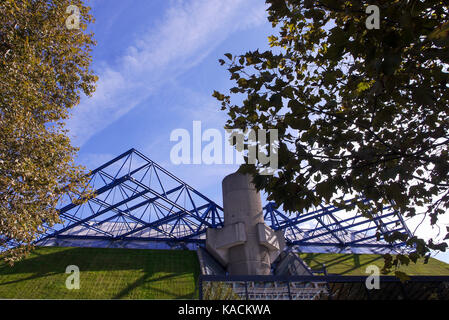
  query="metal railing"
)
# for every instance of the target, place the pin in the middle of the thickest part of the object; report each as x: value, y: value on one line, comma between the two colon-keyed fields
x: 329, y: 286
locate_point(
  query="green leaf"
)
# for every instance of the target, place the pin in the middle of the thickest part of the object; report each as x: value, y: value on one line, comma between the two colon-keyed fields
x: 362, y: 86
x: 366, y: 108
x: 402, y: 276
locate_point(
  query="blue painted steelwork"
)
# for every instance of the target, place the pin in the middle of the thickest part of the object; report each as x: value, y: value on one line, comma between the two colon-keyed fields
x: 138, y: 200
x: 338, y: 230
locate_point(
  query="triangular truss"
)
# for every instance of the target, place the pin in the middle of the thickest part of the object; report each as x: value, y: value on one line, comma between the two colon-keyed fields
x: 332, y: 229
x: 137, y: 200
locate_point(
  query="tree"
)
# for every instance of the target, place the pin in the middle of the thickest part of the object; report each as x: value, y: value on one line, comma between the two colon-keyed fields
x: 359, y: 111
x: 44, y: 67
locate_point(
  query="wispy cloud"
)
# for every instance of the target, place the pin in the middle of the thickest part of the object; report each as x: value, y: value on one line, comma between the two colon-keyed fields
x: 186, y: 34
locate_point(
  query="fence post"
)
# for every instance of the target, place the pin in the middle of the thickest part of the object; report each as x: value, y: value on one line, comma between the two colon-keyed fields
x: 289, y: 292
x: 200, y: 287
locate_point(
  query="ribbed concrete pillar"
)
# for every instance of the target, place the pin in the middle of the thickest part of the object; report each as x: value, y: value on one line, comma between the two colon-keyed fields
x: 245, y: 245
x: 242, y: 204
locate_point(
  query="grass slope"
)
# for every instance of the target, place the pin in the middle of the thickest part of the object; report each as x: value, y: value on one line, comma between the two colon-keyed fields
x: 147, y: 274
x: 355, y: 264
x: 104, y: 274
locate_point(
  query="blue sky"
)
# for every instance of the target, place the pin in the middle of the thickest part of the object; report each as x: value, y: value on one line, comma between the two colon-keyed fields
x: 157, y: 63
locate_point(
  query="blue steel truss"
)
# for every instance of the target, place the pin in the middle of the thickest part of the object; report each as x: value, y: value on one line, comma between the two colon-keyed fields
x: 332, y: 229
x: 136, y: 200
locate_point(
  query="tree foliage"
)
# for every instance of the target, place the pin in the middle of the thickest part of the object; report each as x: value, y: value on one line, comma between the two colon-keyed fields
x: 44, y: 68
x: 359, y: 111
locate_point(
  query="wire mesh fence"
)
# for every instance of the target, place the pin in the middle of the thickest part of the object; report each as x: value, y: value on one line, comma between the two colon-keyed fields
x: 331, y: 287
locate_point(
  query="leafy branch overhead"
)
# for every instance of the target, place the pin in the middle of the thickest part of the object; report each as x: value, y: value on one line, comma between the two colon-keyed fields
x: 44, y: 68
x: 359, y: 112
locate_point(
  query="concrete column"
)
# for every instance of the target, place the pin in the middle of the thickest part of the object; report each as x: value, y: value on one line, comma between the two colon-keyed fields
x: 242, y: 204
x: 245, y: 245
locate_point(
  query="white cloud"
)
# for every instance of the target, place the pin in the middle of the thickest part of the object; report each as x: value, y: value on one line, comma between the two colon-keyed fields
x: 185, y: 36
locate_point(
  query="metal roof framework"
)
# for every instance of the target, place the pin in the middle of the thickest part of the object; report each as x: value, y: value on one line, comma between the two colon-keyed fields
x: 333, y: 229
x: 138, y: 200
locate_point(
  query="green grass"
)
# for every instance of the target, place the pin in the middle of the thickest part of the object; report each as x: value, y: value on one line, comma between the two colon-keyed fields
x: 104, y: 274
x: 147, y: 274
x: 355, y: 264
